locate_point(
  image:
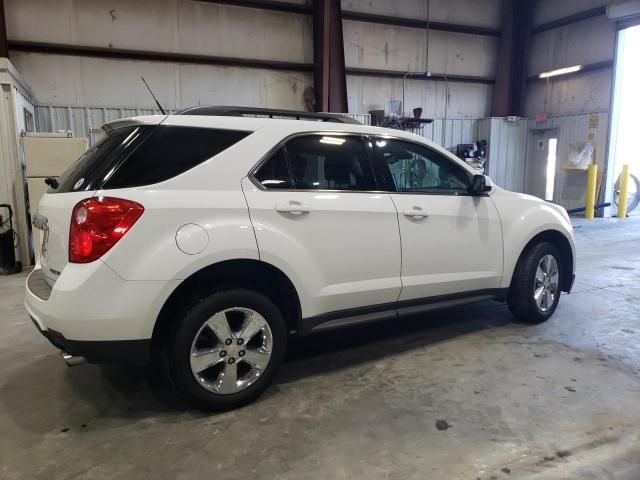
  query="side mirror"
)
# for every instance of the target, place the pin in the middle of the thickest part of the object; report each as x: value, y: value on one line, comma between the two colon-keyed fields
x: 480, y: 184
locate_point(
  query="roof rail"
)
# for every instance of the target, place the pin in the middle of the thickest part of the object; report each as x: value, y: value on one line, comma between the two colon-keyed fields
x: 230, y: 111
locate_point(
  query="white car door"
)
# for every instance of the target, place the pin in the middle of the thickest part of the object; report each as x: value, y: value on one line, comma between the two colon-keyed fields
x: 451, y: 241
x: 318, y: 217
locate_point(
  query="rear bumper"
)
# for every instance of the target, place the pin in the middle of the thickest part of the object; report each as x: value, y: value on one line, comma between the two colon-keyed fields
x: 94, y: 313
x: 131, y: 352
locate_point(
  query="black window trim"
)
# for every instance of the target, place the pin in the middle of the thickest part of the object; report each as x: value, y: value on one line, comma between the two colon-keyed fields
x: 374, y: 159
x: 282, y: 145
x: 380, y: 164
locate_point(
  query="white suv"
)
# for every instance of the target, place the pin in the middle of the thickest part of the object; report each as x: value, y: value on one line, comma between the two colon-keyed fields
x: 202, y: 240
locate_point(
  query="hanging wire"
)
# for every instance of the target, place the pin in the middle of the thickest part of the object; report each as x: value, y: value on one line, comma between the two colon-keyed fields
x: 446, y: 108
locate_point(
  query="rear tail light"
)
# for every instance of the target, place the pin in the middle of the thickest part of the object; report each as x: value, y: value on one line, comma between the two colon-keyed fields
x: 97, y: 224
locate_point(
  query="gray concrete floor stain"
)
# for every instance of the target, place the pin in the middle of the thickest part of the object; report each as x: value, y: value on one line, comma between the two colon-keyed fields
x: 458, y: 394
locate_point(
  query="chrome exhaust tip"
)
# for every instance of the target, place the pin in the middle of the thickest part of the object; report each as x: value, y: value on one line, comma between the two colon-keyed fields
x: 72, y: 360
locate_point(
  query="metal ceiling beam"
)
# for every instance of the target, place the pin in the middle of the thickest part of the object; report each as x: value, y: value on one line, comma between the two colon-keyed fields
x: 417, y: 23
x: 330, y: 80
x: 4, y: 47
x: 151, y: 56
x: 281, y: 6
x: 265, y: 5
x: 101, y: 52
x: 568, y: 20
x: 511, y: 68
x: 371, y: 72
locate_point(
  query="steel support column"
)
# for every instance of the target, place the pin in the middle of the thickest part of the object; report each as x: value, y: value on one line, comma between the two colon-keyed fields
x: 512, y: 58
x: 4, y: 47
x: 328, y: 49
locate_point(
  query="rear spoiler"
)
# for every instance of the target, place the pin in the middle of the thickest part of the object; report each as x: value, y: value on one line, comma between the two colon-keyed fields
x: 128, y: 122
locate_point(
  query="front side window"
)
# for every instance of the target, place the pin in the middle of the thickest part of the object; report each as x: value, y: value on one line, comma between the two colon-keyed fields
x: 415, y: 168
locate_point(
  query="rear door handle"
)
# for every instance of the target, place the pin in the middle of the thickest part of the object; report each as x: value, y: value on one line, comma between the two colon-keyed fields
x: 416, y: 213
x: 293, y: 207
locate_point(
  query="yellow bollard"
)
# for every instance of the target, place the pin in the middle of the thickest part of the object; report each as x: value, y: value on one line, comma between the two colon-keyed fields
x: 590, y: 195
x: 624, y: 188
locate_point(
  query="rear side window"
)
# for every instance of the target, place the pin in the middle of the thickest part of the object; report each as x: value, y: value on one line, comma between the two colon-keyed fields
x: 330, y: 162
x: 170, y: 151
x: 144, y: 154
x: 319, y: 162
x: 274, y: 174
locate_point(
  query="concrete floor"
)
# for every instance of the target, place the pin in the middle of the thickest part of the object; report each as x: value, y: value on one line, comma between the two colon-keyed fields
x: 554, y: 401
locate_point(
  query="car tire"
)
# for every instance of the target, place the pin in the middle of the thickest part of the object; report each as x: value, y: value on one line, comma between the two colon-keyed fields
x: 195, y: 343
x: 532, y: 296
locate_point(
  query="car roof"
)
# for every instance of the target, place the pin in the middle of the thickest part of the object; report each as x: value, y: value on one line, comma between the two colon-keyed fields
x: 240, y: 111
x: 280, y: 127
x: 257, y: 123
x: 283, y: 124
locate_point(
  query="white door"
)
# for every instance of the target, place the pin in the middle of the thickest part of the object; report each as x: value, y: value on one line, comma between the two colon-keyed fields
x: 451, y: 241
x: 318, y: 218
x: 540, y: 175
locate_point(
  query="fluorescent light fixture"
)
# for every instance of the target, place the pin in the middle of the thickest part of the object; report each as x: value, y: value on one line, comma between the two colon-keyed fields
x: 561, y: 71
x: 332, y: 140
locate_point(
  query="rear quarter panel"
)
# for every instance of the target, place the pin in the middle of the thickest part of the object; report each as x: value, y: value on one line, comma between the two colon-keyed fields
x: 149, y: 251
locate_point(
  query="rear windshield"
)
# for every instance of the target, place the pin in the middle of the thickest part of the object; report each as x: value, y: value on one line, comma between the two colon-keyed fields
x: 144, y: 154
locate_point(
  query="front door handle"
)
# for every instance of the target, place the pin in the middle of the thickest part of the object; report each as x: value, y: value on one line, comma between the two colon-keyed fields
x: 293, y: 207
x: 416, y: 213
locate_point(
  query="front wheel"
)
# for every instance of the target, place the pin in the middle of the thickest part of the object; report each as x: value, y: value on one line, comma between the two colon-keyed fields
x: 227, y: 349
x: 535, y: 287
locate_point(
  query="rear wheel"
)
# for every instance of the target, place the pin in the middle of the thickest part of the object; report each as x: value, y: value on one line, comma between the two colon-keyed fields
x: 535, y: 288
x: 227, y: 349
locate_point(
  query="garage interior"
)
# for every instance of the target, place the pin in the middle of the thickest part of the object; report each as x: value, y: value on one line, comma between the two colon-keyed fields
x: 468, y: 393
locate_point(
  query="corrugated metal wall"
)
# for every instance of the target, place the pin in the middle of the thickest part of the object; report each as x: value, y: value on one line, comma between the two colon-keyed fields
x: 86, y: 122
x: 452, y: 131
x: 507, y: 143
x: 507, y: 140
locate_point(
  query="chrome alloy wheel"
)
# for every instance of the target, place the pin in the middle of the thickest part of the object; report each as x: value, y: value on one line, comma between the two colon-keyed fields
x: 545, y: 289
x: 231, y: 350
